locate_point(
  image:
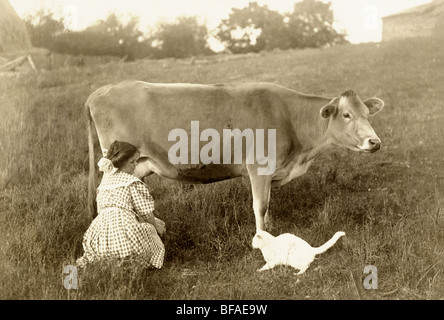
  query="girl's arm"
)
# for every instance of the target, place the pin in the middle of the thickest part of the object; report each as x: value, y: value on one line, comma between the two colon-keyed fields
x: 143, y: 204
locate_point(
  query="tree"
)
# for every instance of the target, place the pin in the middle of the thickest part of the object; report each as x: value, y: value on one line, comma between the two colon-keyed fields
x: 252, y: 29
x: 107, y: 37
x: 182, y: 38
x: 255, y: 28
x: 311, y: 25
x: 43, y: 28
x: 125, y: 37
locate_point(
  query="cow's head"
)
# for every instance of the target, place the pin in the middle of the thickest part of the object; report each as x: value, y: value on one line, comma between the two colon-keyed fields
x: 348, y: 124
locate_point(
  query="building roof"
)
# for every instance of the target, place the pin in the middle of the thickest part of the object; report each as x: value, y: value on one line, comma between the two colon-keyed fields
x: 418, y: 10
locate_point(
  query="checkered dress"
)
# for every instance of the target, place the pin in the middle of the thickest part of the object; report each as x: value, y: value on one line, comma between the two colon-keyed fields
x: 119, y: 230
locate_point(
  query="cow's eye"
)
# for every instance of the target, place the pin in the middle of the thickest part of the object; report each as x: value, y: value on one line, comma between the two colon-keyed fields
x: 346, y: 115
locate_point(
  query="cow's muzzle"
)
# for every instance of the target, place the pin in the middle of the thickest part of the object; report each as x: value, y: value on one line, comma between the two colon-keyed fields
x: 371, y: 145
x: 375, y: 144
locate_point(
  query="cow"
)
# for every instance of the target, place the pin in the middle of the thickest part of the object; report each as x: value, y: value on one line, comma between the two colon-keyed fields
x: 145, y: 114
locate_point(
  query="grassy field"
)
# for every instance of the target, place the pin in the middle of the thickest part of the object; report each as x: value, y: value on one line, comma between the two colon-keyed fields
x: 387, y: 202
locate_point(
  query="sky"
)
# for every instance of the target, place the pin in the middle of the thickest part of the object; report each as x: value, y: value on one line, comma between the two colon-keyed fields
x: 360, y: 19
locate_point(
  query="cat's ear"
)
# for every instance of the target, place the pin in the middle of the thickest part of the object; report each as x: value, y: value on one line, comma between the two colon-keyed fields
x: 258, y: 236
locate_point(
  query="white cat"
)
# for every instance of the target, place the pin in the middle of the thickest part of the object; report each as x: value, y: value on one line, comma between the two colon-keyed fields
x: 287, y: 249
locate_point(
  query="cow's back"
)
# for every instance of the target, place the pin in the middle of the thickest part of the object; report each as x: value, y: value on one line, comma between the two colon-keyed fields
x: 153, y: 110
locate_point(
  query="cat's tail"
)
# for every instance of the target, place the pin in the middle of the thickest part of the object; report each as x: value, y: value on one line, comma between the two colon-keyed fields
x: 329, y: 243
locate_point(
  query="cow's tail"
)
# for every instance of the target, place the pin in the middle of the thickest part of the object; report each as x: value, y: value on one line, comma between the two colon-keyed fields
x: 92, y: 203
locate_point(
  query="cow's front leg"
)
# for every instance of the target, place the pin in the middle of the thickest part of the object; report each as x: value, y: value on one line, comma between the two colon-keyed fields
x: 260, y: 187
x: 268, y: 217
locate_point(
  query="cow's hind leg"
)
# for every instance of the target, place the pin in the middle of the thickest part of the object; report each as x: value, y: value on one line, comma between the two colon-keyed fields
x: 260, y: 187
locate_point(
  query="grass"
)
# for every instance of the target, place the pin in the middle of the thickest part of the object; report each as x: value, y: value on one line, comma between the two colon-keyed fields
x: 388, y: 203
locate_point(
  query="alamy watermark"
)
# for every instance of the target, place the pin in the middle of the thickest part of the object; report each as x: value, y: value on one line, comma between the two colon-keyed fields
x: 71, y: 280
x: 371, y: 280
x: 211, y: 152
x: 372, y: 19
x: 71, y: 17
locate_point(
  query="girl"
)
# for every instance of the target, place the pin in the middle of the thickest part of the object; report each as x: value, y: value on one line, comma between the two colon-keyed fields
x: 125, y: 226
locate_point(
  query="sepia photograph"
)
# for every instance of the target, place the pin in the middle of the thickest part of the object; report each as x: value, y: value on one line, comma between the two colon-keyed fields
x: 222, y: 155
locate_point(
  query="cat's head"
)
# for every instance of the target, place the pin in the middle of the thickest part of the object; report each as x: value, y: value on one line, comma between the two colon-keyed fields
x: 261, y: 238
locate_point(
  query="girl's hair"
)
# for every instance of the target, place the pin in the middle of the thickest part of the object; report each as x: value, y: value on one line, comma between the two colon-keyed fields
x: 119, y: 152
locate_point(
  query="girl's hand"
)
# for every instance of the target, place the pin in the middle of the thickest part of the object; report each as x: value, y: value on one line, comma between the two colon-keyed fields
x: 160, y: 226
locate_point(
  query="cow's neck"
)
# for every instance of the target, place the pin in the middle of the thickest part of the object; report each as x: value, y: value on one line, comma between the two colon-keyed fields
x: 310, y: 129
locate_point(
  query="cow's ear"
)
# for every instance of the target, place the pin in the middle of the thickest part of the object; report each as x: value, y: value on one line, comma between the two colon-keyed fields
x: 328, y: 110
x: 374, y: 105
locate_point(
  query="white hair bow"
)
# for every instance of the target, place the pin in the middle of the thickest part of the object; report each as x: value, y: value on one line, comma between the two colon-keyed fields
x: 106, y: 166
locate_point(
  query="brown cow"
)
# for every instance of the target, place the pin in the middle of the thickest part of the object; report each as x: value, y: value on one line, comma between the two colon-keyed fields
x: 152, y: 116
